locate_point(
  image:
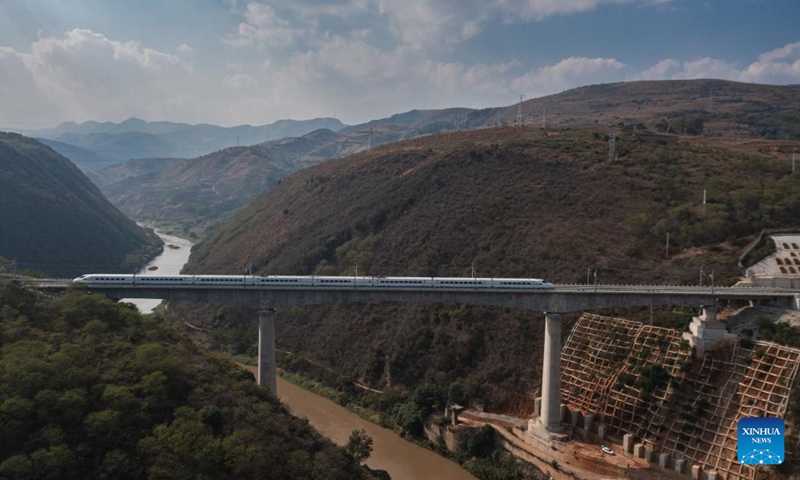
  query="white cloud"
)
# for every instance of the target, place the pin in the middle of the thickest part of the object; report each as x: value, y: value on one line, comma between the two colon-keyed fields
x: 240, y: 80
x: 661, y: 70
x: 426, y: 23
x: 183, y: 48
x: 781, y: 66
x: 85, y: 75
x: 264, y: 28
x: 354, y: 58
x: 481, y: 78
x: 332, y: 8
x: 787, y: 52
x: 778, y: 66
x: 708, y: 68
x: 568, y: 73
x: 541, y: 9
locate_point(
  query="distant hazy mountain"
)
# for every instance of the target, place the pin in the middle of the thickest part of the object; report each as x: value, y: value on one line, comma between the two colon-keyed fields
x: 199, y: 192
x: 86, y: 160
x: 56, y: 221
x: 132, y: 168
x: 136, y: 138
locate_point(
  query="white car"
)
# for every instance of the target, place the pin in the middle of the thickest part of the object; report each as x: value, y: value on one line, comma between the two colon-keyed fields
x: 607, y: 450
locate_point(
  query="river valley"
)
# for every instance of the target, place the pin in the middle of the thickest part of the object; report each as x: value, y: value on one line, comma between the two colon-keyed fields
x: 402, y: 459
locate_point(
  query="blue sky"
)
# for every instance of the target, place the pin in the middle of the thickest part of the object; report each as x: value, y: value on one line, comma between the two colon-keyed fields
x: 233, y: 62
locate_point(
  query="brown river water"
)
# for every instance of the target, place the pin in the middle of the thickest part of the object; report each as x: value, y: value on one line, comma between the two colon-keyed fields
x: 402, y: 459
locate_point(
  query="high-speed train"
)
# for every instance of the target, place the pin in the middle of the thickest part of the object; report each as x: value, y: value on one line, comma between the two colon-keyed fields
x: 109, y: 279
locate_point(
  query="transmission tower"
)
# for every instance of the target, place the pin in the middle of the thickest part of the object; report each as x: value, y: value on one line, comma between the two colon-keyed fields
x: 519, y: 111
x: 612, y: 146
x: 370, y: 138
x: 544, y: 119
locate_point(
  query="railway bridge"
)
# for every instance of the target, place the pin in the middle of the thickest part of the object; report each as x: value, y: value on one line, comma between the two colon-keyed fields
x: 553, y: 302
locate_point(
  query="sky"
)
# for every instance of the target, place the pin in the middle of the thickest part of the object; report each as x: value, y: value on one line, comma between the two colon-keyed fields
x: 233, y: 62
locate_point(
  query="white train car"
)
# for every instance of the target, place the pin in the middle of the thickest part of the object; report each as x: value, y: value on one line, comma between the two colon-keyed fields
x: 298, y: 281
x: 106, y: 279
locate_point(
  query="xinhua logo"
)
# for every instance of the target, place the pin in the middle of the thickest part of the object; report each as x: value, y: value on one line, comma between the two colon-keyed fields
x: 760, y: 441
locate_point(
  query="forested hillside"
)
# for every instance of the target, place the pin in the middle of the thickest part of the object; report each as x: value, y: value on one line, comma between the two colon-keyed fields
x: 89, y: 388
x: 54, y: 220
x: 512, y: 203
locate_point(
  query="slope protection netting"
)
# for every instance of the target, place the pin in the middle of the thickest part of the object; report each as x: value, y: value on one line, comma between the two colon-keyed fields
x: 643, y: 380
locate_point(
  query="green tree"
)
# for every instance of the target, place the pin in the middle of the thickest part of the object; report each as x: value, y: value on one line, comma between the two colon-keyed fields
x: 186, y: 448
x: 359, y: 445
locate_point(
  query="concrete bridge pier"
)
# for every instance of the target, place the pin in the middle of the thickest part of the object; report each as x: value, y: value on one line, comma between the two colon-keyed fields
x: 550, y: 418
x: 267, y: 374
x: 706, y: 332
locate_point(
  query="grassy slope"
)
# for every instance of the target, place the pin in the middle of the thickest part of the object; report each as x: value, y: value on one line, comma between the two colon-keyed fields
x: 516, y: 203
x: 727, y: 108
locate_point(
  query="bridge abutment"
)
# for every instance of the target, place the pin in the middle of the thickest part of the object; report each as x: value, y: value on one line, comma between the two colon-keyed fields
x: 705, y: 332
x: 267, y: 374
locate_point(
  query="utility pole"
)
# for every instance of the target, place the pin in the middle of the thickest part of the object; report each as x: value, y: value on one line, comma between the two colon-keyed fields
x: 588, y: 274
x: 544, y: 119
x: 612, y: 147
x: 519, y: 111
x: 704, y: 202
x: 712, y: 282
x: 370, y: 138
x: 794, y: 163
x: 666, y: 255
x: 473, y: 269
x: 701, y: 275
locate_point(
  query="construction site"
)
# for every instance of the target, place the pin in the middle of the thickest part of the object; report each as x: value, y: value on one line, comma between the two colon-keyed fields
x: 667, y: 412
x: 647, y: 390
x: 639, y: 401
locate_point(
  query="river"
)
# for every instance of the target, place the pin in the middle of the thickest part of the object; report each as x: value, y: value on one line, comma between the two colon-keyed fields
x: 403, y: 460
x: 170, y: 262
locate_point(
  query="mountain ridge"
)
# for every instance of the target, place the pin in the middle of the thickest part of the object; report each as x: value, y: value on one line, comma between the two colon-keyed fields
x: 510, y: 202
x: 656, y: 106
x: 136, y: 138
x: 56, y: 221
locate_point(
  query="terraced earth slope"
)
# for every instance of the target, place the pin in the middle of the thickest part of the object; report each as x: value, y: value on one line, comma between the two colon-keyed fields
x: 643, y: 380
